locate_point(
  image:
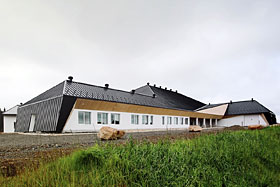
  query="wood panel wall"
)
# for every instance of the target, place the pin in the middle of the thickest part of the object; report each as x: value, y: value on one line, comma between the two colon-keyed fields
x: 87, y: 104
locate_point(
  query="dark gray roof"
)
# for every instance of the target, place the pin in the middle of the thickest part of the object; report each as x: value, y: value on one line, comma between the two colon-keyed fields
x: 241, y: 107
x: 170, y: 98
x: 163, y: 98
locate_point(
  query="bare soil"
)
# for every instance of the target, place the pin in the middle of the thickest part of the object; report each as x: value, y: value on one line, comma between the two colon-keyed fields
x: 21, y: 151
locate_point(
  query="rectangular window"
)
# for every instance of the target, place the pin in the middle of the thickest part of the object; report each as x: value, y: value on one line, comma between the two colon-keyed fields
x: 134, y: 119
x: 145, y: 119
x: 176, y: 120
x: 151, y: 120
x: 163, y: 120
x: 186, y: 121
x: 84, y: 117
x: 115, y: 119
x: 102, y: 118
x: 169, y: 120
x: 182, y: 121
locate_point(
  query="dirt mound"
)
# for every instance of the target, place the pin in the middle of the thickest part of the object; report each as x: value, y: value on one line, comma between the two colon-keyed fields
x: 235, y: 127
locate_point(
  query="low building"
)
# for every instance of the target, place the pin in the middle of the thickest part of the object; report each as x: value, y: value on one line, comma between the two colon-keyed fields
x: 78, y: 107
x: 9, y: 118
x: 242, y: 113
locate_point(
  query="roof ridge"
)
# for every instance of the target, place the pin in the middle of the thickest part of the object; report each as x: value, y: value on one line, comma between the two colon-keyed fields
x: 86, y: 84
x: 177, y: 93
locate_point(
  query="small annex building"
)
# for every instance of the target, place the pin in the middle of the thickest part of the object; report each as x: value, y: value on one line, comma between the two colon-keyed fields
x: 78, y: 107
x: 242, y: 113
x: 9, y: 119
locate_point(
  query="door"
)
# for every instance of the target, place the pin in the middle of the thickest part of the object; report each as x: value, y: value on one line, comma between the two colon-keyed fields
x: 32, y: 123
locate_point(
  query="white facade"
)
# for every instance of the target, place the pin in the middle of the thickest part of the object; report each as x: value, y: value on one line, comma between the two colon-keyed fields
x: 9, y: 123
x: 10, y: 119
x: 72, y: 124
x: 242, y: 120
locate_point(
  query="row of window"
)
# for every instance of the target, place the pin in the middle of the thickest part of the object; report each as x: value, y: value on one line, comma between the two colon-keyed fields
x: 102, y: 118
x: 183, y: 121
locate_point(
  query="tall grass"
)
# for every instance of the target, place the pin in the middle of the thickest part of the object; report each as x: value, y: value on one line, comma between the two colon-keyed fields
x: 243, y: 158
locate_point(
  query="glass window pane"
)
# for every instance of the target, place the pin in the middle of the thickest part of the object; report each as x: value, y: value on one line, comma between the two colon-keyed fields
x: 132, y: 119
x: 186, y: 121
x: 151, y: 120
x: 117, y: 119
x: 81, y: 117
x: 99, y: 121
x: 87, y: 118
x: 137, y: 120
x: 105, y: 118
x: 112, y: 118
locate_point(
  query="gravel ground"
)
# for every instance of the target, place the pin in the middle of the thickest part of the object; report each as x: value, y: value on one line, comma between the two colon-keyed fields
x: 20, y: 150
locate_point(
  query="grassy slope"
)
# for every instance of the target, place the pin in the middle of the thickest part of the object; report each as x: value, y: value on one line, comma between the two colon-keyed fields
x: 243, y: 158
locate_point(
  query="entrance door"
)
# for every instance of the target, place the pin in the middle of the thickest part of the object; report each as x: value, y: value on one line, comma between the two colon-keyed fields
x: 32, y: 123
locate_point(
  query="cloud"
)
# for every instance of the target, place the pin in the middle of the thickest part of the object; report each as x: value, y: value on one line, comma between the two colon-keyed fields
x: 213, y: 51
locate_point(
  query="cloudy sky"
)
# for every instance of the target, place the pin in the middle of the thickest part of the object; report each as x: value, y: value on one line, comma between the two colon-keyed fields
x: 214, y: 51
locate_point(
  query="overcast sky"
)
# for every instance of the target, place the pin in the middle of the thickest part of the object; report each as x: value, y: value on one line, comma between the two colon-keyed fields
x: 214, y: 51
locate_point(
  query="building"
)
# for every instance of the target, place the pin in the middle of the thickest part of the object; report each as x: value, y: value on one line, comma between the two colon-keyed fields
x: 243, y: 113
x: 1, y: 121
x: 9, y: 118
x: 78, y: 107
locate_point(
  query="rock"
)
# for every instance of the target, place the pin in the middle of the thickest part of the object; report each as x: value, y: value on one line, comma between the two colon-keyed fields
x: 254, y: 127
x: 108, y: 133
x: 195, y: 128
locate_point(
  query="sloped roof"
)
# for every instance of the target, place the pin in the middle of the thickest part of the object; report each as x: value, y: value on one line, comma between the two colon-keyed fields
x: 162, y: 99
x: 240, y: 107
x: 11, y: 111
x: 170, y: 98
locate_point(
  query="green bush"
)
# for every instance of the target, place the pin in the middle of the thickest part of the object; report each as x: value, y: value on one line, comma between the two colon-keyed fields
x: 241, y: 158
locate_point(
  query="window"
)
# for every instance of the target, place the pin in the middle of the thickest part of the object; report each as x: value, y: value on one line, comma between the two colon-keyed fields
x: 176, y: 120
x: 135, y: 119
x: 115, y: 119
x: 102, y: 118
x: 84, y: 117
x: 163, y: 120
x: 145, y: 119
x: 169, y: 120
x: 186, y: 121
x: 151, y: 120
x: 182, y: 121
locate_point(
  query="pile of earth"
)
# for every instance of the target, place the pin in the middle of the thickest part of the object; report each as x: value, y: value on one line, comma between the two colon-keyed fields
x: 235, y: 127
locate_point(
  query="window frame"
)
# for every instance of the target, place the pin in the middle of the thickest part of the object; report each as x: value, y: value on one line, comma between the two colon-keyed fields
x: 186, y: 121
x: 145, y: 122
x: 102, y: 118
x: 181, y: 120
x: 169, y: 120
x: 84, y: 121
x: 113, y: 118
x: 176, y: 120
x: 134, y: 119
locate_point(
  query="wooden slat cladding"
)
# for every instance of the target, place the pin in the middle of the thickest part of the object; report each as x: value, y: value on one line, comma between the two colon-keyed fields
x: 86, y: 104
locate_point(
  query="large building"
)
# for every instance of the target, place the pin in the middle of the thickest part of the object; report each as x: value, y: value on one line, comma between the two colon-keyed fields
x: 78, y: 107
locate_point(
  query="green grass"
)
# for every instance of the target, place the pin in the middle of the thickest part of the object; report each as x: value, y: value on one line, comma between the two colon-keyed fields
x: 241, y: 158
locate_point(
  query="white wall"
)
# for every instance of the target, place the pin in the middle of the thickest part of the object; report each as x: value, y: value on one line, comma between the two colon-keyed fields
x: 125, y: 122
x: 242, y: 120
x: 9, y: 123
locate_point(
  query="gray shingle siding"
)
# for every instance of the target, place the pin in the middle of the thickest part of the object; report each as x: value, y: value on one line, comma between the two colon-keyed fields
x: 46, y: 112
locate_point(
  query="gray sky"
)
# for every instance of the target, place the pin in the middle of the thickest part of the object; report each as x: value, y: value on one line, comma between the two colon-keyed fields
x: 214, y: 51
